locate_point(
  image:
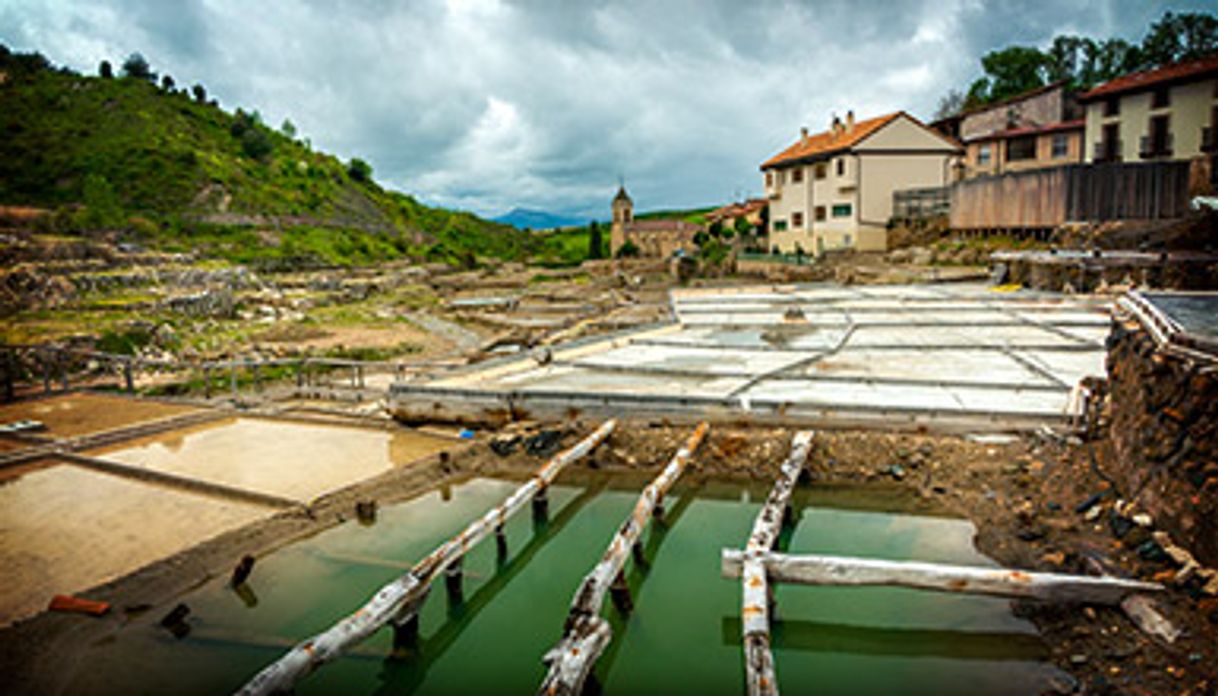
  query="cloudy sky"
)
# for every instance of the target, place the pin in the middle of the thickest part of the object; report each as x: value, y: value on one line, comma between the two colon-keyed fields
x: 491, y: 104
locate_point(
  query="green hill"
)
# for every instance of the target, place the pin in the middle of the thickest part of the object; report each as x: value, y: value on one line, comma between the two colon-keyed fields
x: 164, y: 167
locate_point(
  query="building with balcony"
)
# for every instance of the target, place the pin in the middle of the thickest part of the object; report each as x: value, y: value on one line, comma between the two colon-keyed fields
x: 833, y: 190
x: 1170, y: 113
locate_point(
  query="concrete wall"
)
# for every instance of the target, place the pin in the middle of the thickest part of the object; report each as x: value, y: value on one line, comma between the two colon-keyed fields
x: 1190, y: 108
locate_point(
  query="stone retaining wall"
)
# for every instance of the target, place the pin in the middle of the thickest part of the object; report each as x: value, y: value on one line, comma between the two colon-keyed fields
x: 1163, y: 425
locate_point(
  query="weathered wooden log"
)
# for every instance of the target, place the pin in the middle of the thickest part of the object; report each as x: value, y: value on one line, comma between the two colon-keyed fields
x: 398, y: 602
x: 997, y: 582
x: 755, y: 592
x: 586, y: 634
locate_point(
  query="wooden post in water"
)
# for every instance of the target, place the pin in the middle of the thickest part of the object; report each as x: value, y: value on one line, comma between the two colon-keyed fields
x: 586, y: 634
x: 756, y: 597
x: 398, y: 602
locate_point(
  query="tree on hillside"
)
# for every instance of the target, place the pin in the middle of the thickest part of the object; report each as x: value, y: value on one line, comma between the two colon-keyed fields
x: 105, y: 71
x: 256, y: 143
x: 1180, y: 37
x: 595, y: 241
x: 359, y: 170
x: 200, y: 93
x: 167, y: 83
x: 288, y: 128
x: 136, y: 66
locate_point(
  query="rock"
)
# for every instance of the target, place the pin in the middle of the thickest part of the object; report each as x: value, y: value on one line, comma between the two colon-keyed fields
x: 1078, y: 659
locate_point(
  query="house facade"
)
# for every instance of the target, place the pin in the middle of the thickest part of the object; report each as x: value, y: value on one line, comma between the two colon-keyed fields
x: 1037, y: 129
x: 833, y: 190
x: 1163, y: 114
x: 650, y: 238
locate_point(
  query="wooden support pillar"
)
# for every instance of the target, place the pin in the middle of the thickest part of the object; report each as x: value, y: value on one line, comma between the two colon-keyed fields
x: 206, y: 381
x: 299, y: 378
x: 619, y: 593
x: 359, y: 371
x: 129, y: 376
x: 232, y: 378
x: 406, y: 633
x: 541, y: 504
x: 501, y: 545
x: 255, y: 373
x: 452, y: 580
x: 636, y: 552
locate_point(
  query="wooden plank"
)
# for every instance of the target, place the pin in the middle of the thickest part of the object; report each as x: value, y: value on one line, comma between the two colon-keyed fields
x: 938, y: 577
x: 586, y: 633
x: 755, y: 591
x: 399, y: 601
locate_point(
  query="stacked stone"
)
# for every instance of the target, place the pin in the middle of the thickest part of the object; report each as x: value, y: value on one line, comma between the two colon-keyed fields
x: 1164, y: 430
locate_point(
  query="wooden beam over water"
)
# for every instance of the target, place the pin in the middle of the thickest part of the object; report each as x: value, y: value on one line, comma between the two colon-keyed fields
x: 587, y: 634
x: 399, y: 601
x: 938, y: 577
x: 755, y: 589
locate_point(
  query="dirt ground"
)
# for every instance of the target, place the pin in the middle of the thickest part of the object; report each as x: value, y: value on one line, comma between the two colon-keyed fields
x: 82, y: 413
x: 1021, y: 495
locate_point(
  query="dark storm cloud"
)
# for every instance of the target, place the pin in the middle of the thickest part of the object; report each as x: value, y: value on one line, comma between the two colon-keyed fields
x: 544, y: 103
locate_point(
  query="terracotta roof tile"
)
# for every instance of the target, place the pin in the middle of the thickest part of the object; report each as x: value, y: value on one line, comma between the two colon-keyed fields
x: 1149, y: 78
x: 1077, y: 124
x: 828, y: 141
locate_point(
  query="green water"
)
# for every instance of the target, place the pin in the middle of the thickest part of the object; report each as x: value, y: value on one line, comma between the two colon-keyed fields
x: 683, y: 636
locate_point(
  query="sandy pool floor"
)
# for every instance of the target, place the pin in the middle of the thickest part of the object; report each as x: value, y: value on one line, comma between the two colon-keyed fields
x: 64, y: 529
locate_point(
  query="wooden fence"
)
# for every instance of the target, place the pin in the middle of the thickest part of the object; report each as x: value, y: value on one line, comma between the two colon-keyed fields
x: 1046, y: 198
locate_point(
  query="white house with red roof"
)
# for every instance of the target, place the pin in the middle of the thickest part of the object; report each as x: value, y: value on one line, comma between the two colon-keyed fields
x: 833, y: 190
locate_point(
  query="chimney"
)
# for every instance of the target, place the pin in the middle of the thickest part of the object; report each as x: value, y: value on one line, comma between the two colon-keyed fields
x: 850, y: 121
x: 803, y: 135
x: 836, y: 127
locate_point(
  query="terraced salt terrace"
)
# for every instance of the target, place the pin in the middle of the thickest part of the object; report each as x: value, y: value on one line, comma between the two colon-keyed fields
x: 948, y: 353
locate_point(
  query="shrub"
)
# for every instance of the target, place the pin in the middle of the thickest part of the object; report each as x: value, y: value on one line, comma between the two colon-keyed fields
x: 359, y: 170
x: 256, y: 144
x: 629, y: 250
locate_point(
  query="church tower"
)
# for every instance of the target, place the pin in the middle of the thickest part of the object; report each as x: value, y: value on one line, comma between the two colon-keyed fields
x: 623, y: 215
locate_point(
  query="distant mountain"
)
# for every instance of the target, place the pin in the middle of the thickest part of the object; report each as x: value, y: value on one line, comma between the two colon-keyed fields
x: 521, y: 218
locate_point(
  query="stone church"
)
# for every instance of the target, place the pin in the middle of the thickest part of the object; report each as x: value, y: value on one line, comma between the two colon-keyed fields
x: 653, y: 238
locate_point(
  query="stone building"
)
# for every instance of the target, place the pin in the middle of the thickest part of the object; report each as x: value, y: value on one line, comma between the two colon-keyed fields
x: 1037, y: 129
x: 652, y: 238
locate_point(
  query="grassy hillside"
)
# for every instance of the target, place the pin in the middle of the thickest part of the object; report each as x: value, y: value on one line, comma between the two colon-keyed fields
x: 165, y: 168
